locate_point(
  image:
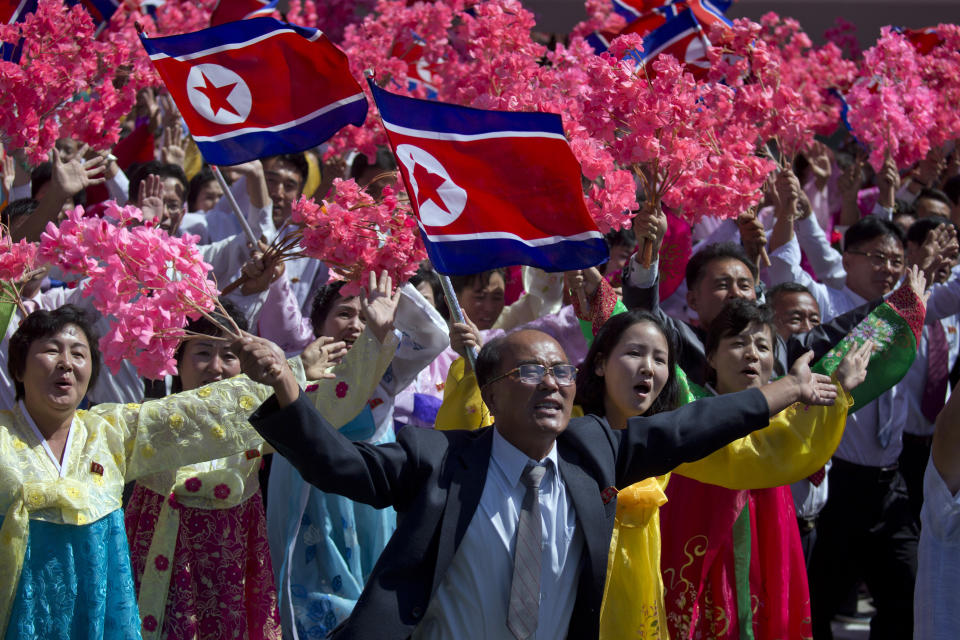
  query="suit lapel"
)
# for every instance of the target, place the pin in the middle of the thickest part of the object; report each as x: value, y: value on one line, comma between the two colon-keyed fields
x: 467, y: 480
x: 585, y: 495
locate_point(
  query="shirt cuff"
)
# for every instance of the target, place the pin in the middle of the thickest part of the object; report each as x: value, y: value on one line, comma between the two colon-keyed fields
x: 643, y: 277
x: 788, y: 252
x: 882, y: 212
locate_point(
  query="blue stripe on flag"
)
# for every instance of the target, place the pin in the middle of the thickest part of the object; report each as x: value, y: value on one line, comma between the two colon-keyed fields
x: 249, y: 146
x: 671, y: 30
x: 598, y: 42
x: 625, y: 10
x: 448, y: 118
x: 462, y: 257
x: 227, y: 34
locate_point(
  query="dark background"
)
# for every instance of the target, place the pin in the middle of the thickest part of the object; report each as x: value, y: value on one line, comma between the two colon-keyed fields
x: 816, y: 16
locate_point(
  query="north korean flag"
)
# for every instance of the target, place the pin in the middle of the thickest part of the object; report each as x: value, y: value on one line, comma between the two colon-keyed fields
x: 233, y: 10
x: 419, y: 71
x: 491, y: 188
x: 676, y: 28
x: 11, y: 12
x: 923, y: 40
x: 634, y: 9
x: 683, y: 38
x: 257, y: 88
x: 100, y: 10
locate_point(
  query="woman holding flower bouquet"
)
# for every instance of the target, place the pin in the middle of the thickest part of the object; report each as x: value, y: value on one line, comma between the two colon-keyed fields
x: 198, y: 534
x: 63, y: 550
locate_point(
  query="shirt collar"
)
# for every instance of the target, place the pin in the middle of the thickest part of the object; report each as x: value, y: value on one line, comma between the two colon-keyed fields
x: 512, y: 461
x: 857, y: 299
x: 43, y: 441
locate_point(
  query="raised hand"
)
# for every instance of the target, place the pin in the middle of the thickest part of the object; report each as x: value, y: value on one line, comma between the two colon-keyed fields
x: 849, y: 186
x: 9, y: 171
x: 820, y: 158
x: 76, y: 175
x: 814, y: 388
x: 30, y: 283
x: 852, y: 370
x: 649, y: 226
x: 583, y: 283
x: 939, y: 250
x: 753, y: 237
x: 379, y: 306
x: 788, y: 194
x: 320, y: 355
x: 917, y: 281
x: 260, y: 359
x: 150, y: 199
x: 260, y: 271
x: 175, y: 145
x: 888, y: 181
x: 465, y: 336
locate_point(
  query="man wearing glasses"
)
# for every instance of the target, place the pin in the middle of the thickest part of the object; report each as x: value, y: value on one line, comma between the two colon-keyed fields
x: 504, y: 532
x: 866, y: 531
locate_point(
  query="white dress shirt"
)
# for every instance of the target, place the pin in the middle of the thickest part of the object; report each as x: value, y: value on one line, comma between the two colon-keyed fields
x: 472, y: 599
x: 908, y: 394
x: 936, y: 600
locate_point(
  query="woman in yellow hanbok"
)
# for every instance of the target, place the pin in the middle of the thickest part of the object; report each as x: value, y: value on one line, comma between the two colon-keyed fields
x: 629, y: 371
x: 64, y: 562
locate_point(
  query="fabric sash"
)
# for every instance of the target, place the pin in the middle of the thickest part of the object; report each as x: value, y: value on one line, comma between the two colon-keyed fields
x: 226, y: 486
x: 895, y: 328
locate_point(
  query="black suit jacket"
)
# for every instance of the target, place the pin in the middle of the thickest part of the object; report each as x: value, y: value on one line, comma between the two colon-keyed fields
x: 434, y: 480
x: 692, y: 358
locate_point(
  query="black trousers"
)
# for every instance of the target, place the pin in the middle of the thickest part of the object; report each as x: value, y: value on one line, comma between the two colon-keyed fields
x: 866, y: 531
x: 913, y: 464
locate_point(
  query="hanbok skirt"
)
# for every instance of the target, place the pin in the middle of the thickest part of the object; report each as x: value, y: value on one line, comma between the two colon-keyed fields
x: 221, y: 585
x: 75, y: 583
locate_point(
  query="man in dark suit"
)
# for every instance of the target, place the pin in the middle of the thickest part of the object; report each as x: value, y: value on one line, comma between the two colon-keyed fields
x: 459, y: 564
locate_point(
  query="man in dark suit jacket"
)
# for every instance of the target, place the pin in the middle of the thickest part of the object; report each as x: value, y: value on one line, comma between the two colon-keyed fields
x: 436, y: 481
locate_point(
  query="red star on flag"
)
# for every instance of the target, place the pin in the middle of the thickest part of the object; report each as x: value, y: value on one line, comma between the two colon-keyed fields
x: 427, y: 184
x: 218, y: 96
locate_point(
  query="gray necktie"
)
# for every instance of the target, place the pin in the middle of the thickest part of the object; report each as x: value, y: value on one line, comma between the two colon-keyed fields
x: 525, y: 585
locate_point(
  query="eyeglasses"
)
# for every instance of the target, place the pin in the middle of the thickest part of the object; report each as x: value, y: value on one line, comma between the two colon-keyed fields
x: 880, y: 259
x: 564, y: 374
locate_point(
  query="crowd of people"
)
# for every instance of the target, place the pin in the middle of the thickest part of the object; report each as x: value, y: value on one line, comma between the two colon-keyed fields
x: 586, y: 454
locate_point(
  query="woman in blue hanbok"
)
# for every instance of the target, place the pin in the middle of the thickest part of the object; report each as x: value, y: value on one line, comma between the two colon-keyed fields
x: 324, y: 546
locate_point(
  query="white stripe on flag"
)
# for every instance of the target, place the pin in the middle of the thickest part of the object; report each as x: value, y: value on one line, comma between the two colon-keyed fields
x: 672, y: 41
x: 464, y: 137
x: 226, y: 47
x: 285, y: 125
x: 502, y: 235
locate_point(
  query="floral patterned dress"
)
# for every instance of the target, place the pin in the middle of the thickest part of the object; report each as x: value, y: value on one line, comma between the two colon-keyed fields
x: 198, y: 534
x: 64, y: 560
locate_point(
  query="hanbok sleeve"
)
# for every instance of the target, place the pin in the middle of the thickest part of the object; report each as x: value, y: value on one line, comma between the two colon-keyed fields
x: 423, y: 336
x: 341, y: 398
x: 799, y: 441
x: 462, y: 407
x: 202, y: 424
x: 544, y: 295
